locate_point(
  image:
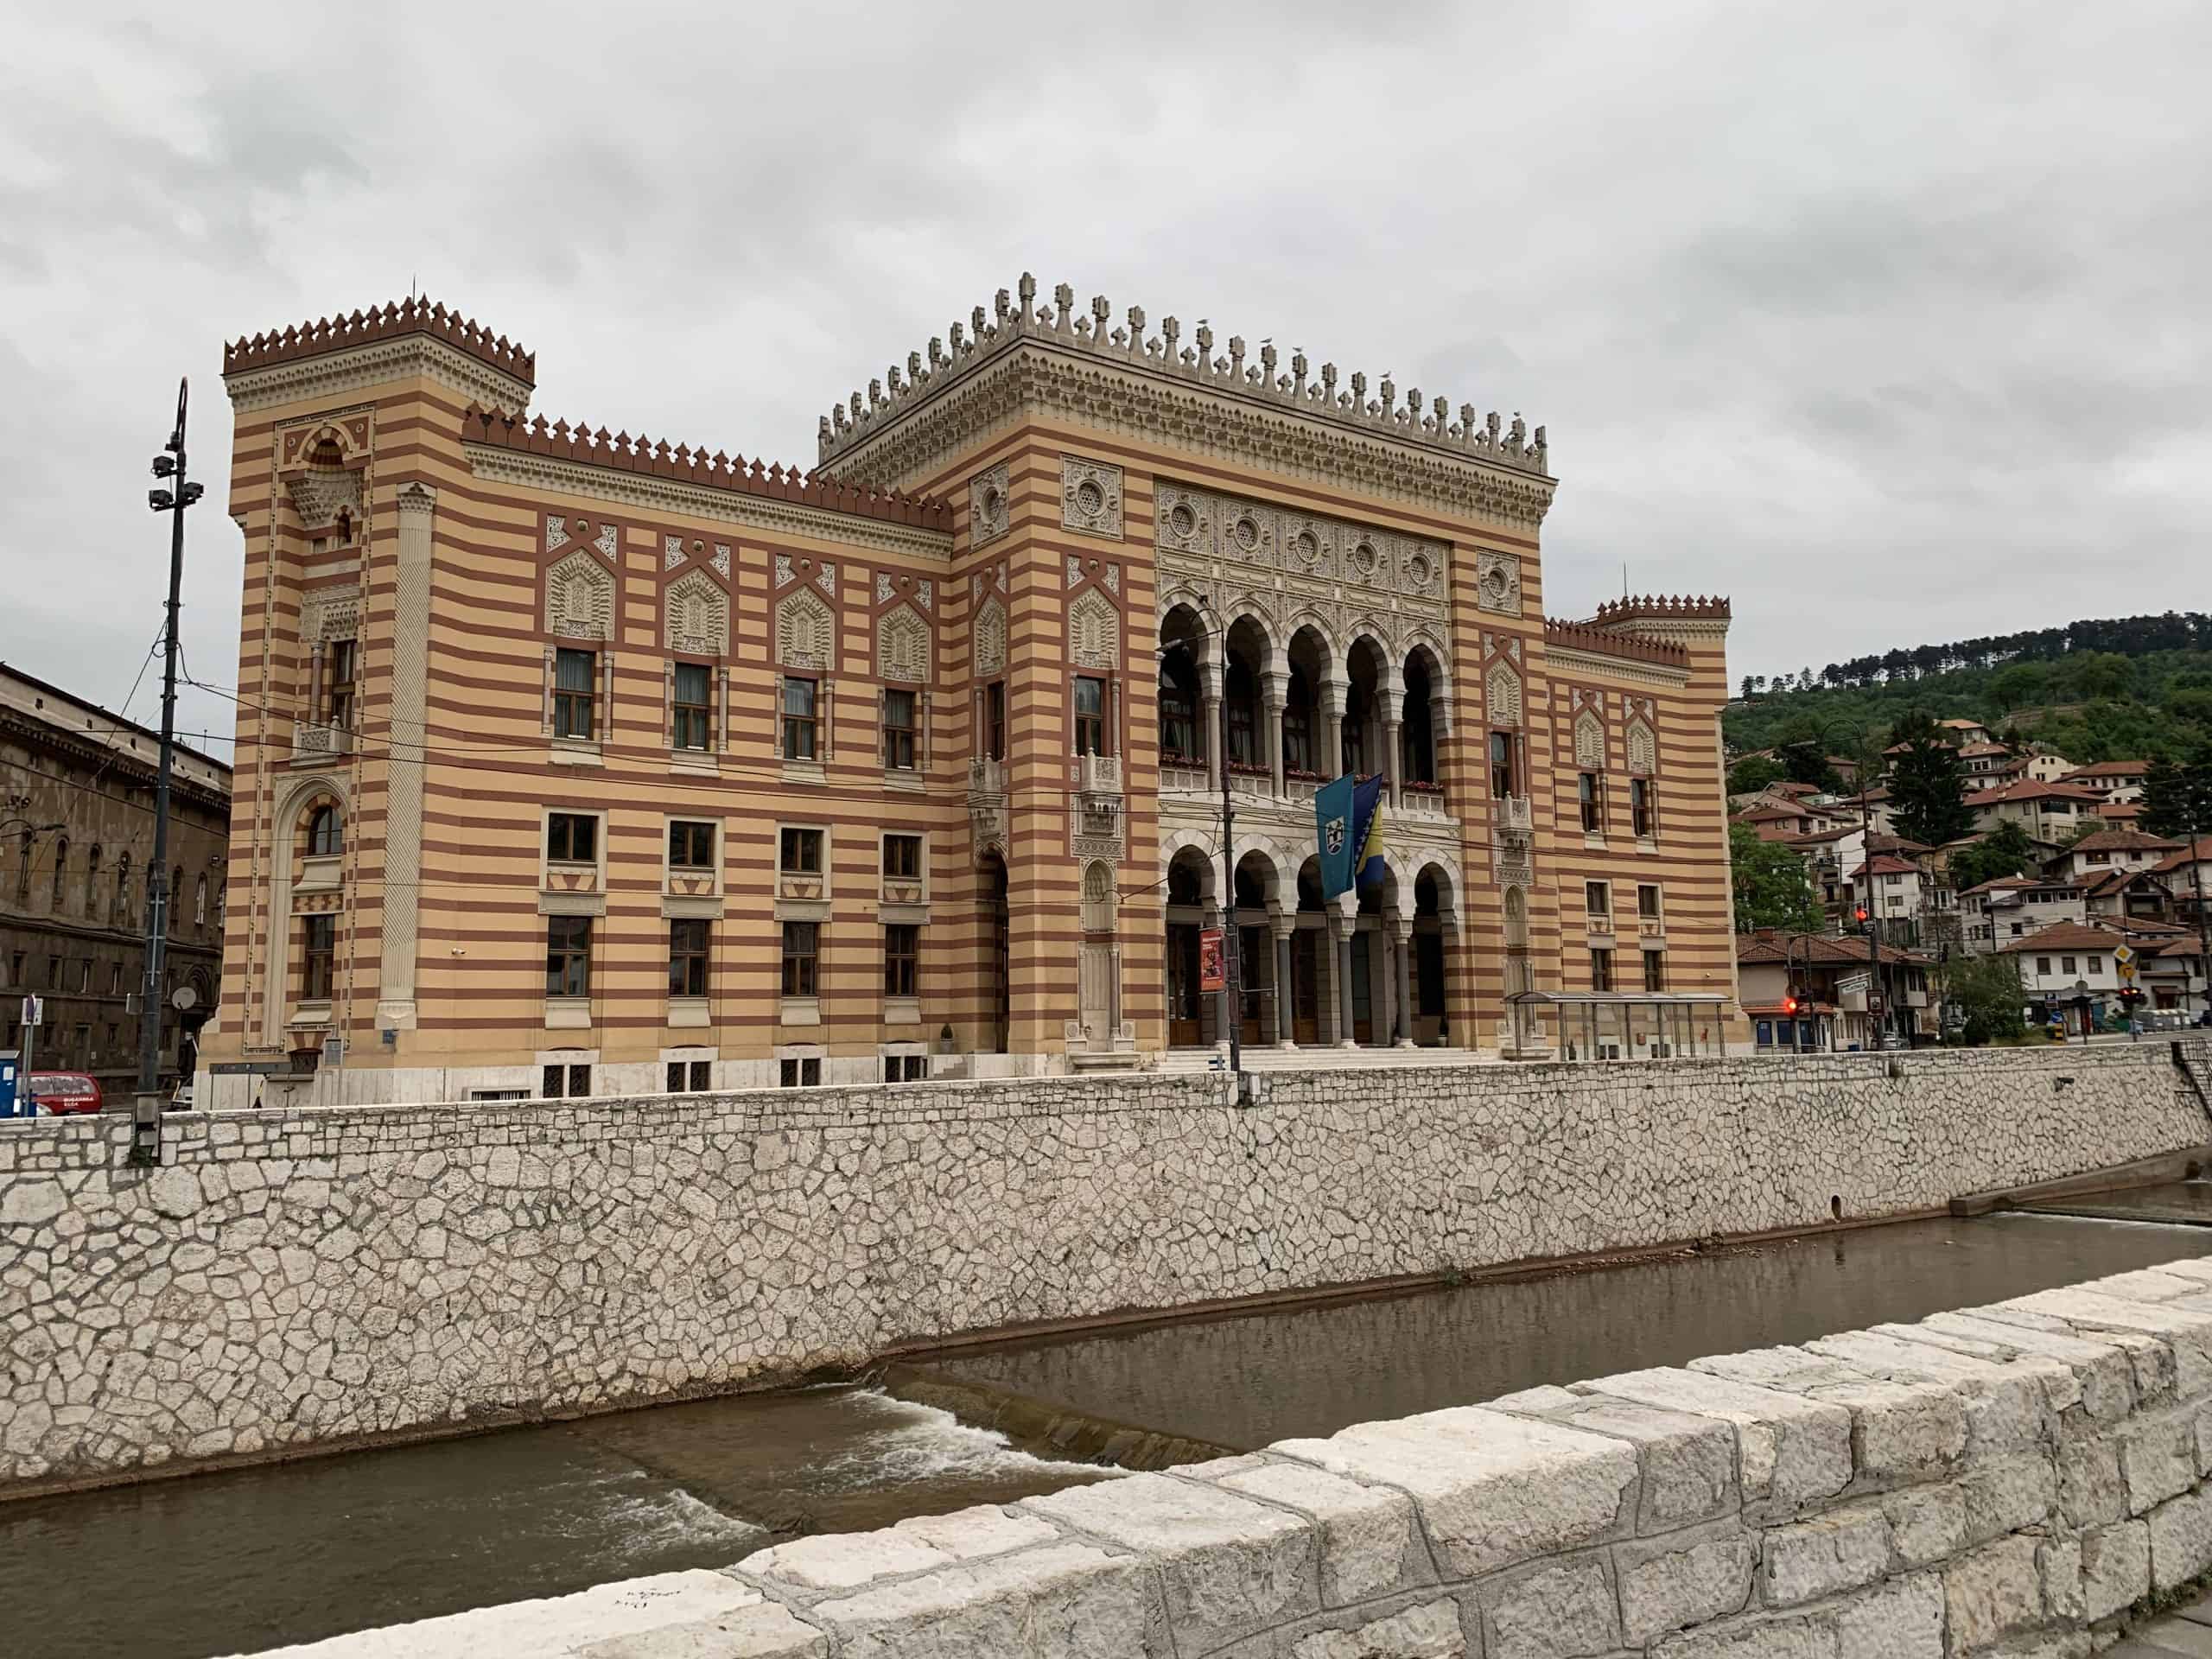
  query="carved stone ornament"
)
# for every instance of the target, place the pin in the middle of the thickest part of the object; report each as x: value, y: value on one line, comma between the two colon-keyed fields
x: 925, y: 594
x: 902, y: 647
x: 990, y: 638
x: 882, y: 586
x: 580, y: 599
x: 671, y: 552
x: 783, y: 572
x: 1497, y: 583
x: 806, y: 632
x: 556, y: 532
x: 1643, y: 749
x: 606, y: 542
x: 1095, y: 632
x: 1075, y: 570
x: 1091, y: 497
x: 696, y: 616
x: 1502, y: 696
x: 1589, y: 743
x: 989, y: 506
x: 826, y: 577
x: 1113, y: 574
x: 330, y: 613
x: 320, y: 493
x: 722, y: 560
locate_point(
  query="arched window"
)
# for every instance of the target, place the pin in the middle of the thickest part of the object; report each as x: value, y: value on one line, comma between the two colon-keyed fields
x: 1178, y: 708
x: 121, y: 889
x: 93, y: 881
x: 61, y: 869
x: 24, y: 870
x: 326, y: 837
x: 176, y: 898
x: 200, y: 902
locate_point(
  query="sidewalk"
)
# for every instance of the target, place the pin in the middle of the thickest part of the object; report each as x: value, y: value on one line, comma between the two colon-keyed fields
x: 2186, y: 1631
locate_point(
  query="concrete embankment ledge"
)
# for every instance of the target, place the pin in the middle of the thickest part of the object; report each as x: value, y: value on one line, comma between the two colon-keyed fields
x: 292, y: 1282
x: 2017, y: 1479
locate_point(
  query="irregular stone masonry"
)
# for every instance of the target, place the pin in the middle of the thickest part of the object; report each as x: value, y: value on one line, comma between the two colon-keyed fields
x: 2008, y: 1480
x: 288, y: 1280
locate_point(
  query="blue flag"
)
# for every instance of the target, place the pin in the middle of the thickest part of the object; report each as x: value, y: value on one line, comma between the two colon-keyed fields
x: 1333, y: 827
x: 1348, y: 829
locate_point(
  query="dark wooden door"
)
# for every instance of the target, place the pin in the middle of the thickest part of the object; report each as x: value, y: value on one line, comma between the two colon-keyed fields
x: 1257, y: 971
x: 1183, y: 993
x: 1305, y: 985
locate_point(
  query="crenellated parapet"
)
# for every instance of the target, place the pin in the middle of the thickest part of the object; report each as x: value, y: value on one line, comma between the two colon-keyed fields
x: 1605, y: 642
x: 1670, y: 607
x: 409, y: 316
x: 679, y: 463
x: 1265, y: 379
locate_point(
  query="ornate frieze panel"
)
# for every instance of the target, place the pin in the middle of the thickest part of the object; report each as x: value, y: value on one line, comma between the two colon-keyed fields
x: 1278, y: 563
x: 1589, y: 742
x: 806, y: 632
x: 580, y: 599
x: 989, y: 506
x: 1502, y: 696
x: 1091, y: 497
x: 1497, y: 583
x: 696, y: 616
x: 332, y: 612
x: 990, y: 638
x: 1095, y: 632
x: 1643, y: 748
x: 902, y: 647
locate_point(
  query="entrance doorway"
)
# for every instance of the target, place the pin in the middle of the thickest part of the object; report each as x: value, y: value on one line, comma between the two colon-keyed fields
x: 1306, y: 986
x: 1184, y: 1023
x: 1363, y: 1001
x: 999, y: 991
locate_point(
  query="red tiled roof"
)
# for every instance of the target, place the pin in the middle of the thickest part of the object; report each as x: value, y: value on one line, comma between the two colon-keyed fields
x: 1817, y: 948
x: 2183, y: 859
x: 1974, y: 751
x: 2122, y: 841
x: 2032, y: 790
x: 2065, y: 936
x: 1882, y: 864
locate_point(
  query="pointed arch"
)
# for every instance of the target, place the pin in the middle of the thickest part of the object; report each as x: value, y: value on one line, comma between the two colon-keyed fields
x: 806, y: 631
x: 990, y: 638
x: 1589, y: 742
x: 696, y: 616
x: 1095, y: 632
x: 1502, y: 696
x: 580, y: 599
x: 1643, y: 749
x: 902, y: 645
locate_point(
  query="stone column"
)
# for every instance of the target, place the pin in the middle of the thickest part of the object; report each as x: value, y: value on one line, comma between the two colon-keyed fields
x: 1401, y: 936
x: 1393, y: 765
x: 1272, y: 687
x: 1342, y: 928
x: 1284, y: 924
x: 400, y: 891
x: 1390, y: 697
x: 314, y: 714
x: 1331, y: 757
x: 1210, y: 738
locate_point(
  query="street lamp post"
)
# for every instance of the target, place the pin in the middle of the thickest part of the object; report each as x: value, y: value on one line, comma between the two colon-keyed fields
x: 180, y: 494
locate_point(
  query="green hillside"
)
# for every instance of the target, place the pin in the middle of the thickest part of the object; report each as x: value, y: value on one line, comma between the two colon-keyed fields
x: 2129, y: 688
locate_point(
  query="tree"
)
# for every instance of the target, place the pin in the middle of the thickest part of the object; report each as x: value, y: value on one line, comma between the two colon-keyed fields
x: 1771, y: 885
x: 2176, y: 798
x: 1748, y: 683
x: 1925, y: 786
x: 1753, y: 774
x: 1988, y: 992
x: 1805, y: 758
x: 2004, y: 851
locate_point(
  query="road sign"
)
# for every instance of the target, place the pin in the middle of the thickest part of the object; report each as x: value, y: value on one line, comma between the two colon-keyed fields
x: 2127, y: 973
x: 34, y: 1010
x: 2123, y: 955
x: 1851, y: 984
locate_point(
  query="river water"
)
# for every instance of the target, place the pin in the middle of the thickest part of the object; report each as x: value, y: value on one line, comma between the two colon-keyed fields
x: 236, y: 1563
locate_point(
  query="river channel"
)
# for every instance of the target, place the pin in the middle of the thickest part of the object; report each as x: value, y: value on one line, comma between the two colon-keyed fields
x: 240, y: 1561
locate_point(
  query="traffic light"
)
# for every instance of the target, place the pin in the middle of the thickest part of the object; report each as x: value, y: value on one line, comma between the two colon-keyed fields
x: 1789, y: 1005
x: 2131, y: 997
x: 1858, y: 915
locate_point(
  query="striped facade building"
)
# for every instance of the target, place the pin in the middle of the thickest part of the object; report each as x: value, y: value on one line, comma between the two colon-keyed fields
x: 572, y: 762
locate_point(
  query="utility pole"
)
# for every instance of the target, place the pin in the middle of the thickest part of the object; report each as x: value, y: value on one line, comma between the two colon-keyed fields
x: 2196, y: 883
x: 1232, y: 941
x: 146, y: 1119
x: 1875, y: 1027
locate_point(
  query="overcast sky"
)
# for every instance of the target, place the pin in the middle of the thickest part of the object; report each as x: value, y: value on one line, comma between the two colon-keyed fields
x: 1893, y: 325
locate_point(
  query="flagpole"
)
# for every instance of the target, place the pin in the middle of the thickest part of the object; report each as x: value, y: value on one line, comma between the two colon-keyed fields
x: 1232, y: 953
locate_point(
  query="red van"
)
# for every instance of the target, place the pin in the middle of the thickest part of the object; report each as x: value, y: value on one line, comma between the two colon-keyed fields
x: 61, y: 1093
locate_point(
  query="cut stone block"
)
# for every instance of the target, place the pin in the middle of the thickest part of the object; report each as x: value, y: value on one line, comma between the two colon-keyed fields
x: 2103, y: 1370
x: 2115, y: 1568
x: 2186, y: 1334
x: 1429, y: 1631
x: 1992, y: 1593
x: 1558, y: 1609
x: 1691, y: 1578
x: 2181, y: 1539
x: 1792, y: 1450
x: 1688, y: 1462
x: 1230, y: 1566
x: 1493, y: 1489
x: 767, y: 1631
x: 1832, y: 1552
x: 1059, y: 1601
x: 1368, y: 1547
x: 2158, y: 1460
x: 2006, y: 1403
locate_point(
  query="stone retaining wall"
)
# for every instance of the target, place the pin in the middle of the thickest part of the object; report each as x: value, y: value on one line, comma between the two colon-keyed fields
x: 314, y: 1277
x: 2009, y: 1480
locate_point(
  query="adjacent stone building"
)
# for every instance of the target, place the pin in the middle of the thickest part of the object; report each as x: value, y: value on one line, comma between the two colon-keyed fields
x: 581, y: 762
x: 77, y: 839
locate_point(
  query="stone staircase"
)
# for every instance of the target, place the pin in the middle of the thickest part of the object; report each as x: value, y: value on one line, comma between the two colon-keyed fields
x: 1268, y: 1058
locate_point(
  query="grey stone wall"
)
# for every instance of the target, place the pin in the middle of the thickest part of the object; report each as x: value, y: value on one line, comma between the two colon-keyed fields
x: 2011, y: 1480
x: 289, y: 1279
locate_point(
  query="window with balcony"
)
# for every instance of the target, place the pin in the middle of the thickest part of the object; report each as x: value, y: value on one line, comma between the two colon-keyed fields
x: 572, y: 837
x: 339, y: 671
x: 802, y: 958
x: 1503, y: 775
x: 575, y: 676
x: 691, y: 845
x: 687, y: 957
x: 1178, y: 709
x: 691, y: 709
x: 1590, y: 793
x: 899, y: 731
x: 1090, y: 714
x: 1641, y: 821
x: 902, y: 947
x: 318, y: 957
x: 994, y: 719
x: 568, y: 956
x: 802, y: 719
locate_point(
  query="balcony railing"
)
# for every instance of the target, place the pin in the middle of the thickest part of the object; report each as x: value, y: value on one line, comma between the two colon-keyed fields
x: 1513, y: 815
x: 1099, y: 774
x: 313, y: 742
x: 986, y: 776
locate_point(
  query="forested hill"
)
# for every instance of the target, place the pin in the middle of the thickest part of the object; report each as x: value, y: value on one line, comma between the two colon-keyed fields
x: 2127, y: 688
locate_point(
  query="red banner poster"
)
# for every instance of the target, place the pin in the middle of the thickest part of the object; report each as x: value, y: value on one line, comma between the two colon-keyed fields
x: 1210, y: 977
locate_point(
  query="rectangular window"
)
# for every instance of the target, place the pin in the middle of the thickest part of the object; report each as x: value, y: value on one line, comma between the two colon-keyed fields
x: 1601, y: 970
x: 687, y: 956
x: 2066, y: 965
x: 571, y: 837
x: 906, y: 1068
x: 994, y: 719
x: 801, y: 957
x: 1646, y: 900
x: 568, y: 956
x: 2042, y: 964
x: 899, y: 731
x: 901, y: 954
x: 1655, y: 970
x: 1597, y: 901
x: 694, y: 715
x: 2096, y: 966
x: 691, y: 1077
x: 575, y: 674
x: 902, y: 858
x: 337, y: 661
x: 1090, y: 716
x: 1501, y: 766
x: 804, y: 1073
x: 574, y: 1081
x: 703, y: 1075
x: 1592, y: 792
x: 318, y: 958
x: 691, y: 844
x: 1639, y: 807
x: 802, y: 718
x: 801, y: 853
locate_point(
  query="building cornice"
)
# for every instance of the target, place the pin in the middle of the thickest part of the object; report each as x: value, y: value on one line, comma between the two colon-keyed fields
x: 351, y: 369
x: 498, y: 464
x: 1626, y: 668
